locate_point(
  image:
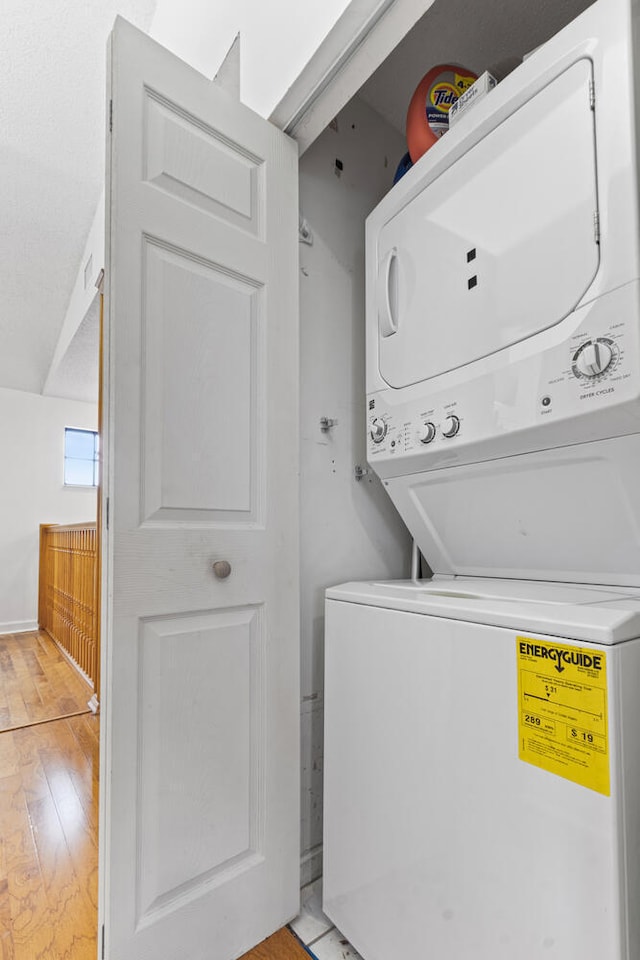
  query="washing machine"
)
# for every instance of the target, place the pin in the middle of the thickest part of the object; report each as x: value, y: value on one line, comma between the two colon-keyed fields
x: 482, y: 770
x: 482, y: 737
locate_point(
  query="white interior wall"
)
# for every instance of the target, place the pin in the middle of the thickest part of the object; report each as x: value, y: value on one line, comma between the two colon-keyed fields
x: 277, y: 39
x: 32, y: 445
x: 77, y: 377
x: 84, y: 291
x: 349, y: 529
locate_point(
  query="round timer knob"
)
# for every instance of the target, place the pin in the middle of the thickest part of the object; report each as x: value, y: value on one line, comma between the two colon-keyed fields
x: 451, y: 426
x: 426, y: 432
x: 378, y: 431
x: 594, y: 358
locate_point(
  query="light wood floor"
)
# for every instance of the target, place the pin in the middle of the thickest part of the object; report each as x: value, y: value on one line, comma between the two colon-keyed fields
x: 49, y: 813
x: 36, y: 682
x: 48, y: 805
x: 283, y: 945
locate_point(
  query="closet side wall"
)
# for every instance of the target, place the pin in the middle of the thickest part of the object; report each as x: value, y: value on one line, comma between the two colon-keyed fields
x: 349, y: 528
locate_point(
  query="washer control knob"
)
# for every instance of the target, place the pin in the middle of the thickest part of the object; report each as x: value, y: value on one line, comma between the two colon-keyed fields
x: 450, y: 426
x: 594, y: 358
x: 378, y: 430
x: 426, y: 432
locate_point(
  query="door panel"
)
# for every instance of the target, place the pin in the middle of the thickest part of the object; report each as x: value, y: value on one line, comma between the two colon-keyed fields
x: 194, y: 162
x: 218, y: 341
x: 205, y: 824
x: 200, y: 807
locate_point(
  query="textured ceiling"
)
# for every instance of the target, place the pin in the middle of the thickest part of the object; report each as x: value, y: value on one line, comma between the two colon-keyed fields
x: 52, y: 95
x: 477, y: 34
x: 76, y: 377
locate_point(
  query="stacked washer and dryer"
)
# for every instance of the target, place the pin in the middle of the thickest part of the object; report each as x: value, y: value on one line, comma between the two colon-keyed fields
x: 482, y: 739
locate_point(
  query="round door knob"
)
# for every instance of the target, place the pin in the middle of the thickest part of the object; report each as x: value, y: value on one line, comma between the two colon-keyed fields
x: 426, y: 432
x: 222, y: 569
x: 451, y: 426
x: 378, y: 431
x: 594, y: 358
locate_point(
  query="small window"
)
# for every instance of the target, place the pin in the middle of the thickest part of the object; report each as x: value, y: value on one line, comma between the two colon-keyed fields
x: 80, y: 458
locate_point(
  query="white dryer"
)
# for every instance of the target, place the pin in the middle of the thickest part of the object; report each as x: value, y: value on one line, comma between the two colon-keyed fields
x: 482, y: 770
x: 503, y: 322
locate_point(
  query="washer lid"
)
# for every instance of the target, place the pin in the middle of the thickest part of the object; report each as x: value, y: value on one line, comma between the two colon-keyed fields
x: 497, y: 248
x: 594, y: 614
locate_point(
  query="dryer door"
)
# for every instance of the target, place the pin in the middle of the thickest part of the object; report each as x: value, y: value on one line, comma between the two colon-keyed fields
x: 500, y: 246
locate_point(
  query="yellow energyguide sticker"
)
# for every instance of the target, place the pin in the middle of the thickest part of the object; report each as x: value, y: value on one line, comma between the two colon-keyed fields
x: 562, y: 703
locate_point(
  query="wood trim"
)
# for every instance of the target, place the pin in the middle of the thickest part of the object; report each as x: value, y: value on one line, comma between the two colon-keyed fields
x: 68, y: 527
x: 98, y: 593
x: 42, y: 583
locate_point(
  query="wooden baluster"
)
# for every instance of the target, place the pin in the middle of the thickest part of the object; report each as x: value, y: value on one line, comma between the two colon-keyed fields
x: 68, y: 592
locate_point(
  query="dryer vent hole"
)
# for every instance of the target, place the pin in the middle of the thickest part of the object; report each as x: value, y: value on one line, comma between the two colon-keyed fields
x: 471, y: 255
x: 472, y: 282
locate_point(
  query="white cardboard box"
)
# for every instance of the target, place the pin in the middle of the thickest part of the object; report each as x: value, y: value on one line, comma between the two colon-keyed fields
x: 477, y: 91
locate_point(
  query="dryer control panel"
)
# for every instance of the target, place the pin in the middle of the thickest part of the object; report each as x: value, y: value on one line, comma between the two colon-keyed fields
x: 520, y: 400
x: 594, y: 358
x: 387, y: 432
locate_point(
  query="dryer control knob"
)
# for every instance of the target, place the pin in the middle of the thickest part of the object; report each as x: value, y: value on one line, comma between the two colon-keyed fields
x: 426, y: 432
x: 594, y: 358
x: 378, y: 431
x: 450, y: 426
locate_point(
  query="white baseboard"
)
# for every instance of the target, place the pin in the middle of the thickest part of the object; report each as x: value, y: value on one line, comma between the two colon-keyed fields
x: 311, y: 865
x: 19, y: 626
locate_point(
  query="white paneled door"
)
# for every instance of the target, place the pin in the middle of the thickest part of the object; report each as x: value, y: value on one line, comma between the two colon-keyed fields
x: 200, y: 759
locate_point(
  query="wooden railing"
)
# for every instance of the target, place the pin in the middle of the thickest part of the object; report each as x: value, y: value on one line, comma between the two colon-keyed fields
x: 68, y: 607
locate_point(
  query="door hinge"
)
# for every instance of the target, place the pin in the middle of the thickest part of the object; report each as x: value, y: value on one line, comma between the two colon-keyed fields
x: 110, y: 116
x: 592, y: 94
x: 102, y: 935
x: 106, y: 513
x: 596, y: 226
